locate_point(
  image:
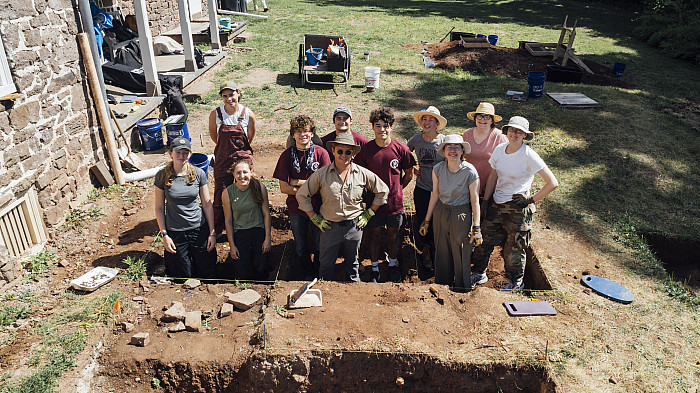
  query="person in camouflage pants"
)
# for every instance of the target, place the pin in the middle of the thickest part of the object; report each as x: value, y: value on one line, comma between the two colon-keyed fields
x: 506, y: 225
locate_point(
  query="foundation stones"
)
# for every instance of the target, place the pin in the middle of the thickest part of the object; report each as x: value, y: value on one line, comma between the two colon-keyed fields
x: 128, y: 327
x: 140, y: 339
x: 175, y: 313
x: 244, y: 300
x: 178, y: 327
x: 226, y: 310
x: 192, y: 283
x: 193, y: 321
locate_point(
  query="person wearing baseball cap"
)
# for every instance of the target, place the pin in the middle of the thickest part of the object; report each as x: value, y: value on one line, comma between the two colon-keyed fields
x: 342, y: 120
x: 425, y: 146
x: 232, y: 127
x: 186, y: 228
x: 342, y: 215
x: 509, y: 219
x: 454, y: 211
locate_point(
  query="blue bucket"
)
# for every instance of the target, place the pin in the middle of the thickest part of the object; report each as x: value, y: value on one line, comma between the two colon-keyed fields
x: 151, y: 133
x: 176, y: 130
x: 493, y: 39
x: 535, y: 83
x: 201, y: 161
x: 480, y: 36
x: 313, y: 56
x: 619, y: 69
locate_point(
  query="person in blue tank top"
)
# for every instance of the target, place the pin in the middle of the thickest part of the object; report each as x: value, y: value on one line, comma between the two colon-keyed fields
x: 247, y: 220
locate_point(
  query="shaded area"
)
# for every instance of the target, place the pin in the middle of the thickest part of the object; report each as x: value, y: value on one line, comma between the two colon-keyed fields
x: 679, y: 257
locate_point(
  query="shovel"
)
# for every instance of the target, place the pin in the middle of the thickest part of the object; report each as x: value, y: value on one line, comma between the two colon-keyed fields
x: 125, y: 153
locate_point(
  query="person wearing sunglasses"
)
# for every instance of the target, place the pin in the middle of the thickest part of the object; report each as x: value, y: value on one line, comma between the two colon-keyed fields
x: 393, y: 162
x: 294, y: 167
x: 342, y: 215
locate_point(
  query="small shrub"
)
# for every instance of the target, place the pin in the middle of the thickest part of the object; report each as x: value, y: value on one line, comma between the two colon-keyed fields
x: 136, y: 267
x: 9, y: 314
x: 38, y: 264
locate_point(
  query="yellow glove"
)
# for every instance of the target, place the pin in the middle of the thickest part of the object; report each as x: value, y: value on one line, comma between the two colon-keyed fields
x: 320, y: 222
x: 475, y: 238
x: 364, y: 218
x: 423, y: 230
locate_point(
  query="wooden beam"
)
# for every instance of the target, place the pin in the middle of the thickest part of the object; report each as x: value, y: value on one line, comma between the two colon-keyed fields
x: 186, y: 32
x: 146, y: 44
x: 214, y: 25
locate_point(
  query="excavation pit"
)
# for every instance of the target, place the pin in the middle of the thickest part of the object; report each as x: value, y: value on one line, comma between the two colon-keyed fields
x: 679, y: 257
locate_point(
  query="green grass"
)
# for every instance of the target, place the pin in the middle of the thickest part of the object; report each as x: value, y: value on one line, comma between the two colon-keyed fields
x: 77, y: 218
x: 9, y: 314
x: 38, y: 265
x: 136, y: 267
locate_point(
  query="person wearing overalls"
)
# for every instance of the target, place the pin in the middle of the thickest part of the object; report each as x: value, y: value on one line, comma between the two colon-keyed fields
x: 232, y: 128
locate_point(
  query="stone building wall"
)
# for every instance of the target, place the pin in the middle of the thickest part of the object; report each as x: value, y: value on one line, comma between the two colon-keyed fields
x: 49, y: 136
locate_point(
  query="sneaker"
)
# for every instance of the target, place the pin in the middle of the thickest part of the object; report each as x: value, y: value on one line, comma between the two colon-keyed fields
x: 375, y: 276
x: 510, y: 286
x: 265, y: 9
x: 479, y: 278
x: 394, y: 274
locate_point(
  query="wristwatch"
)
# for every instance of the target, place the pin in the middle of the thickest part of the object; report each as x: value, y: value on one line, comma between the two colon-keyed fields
x: 163, y: 233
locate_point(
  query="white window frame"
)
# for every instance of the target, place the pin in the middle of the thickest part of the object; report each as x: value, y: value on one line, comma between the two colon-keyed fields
x: 7, y: 86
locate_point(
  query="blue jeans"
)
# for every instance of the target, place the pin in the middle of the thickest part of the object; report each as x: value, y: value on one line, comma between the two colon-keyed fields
x: 347, y: 235
x: 301, y: 225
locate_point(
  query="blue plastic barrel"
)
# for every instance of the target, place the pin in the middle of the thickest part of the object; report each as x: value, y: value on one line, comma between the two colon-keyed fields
x: 151, y: 133
x: 176, y: 130
x: 619, y: 69
x: 480, y: 36
x: 493, y: 39
x: 201, y: 161
x: 313, y: 56
x: 535, y: 83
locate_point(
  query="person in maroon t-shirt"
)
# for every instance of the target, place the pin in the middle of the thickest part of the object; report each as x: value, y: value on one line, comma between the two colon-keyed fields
x: 294, y: 167
x: 387, y: 158
x: 342, y: 120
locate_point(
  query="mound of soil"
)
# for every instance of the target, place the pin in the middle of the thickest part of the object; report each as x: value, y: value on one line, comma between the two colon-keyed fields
x: 510, y: 62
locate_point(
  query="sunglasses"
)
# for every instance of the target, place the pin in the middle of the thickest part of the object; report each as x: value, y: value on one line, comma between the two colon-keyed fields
x: 480, y: 117
x: 348, y: 152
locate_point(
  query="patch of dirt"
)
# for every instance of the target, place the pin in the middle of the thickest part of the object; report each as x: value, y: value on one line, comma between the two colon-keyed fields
x: 688, y: 111
x: 510, y: 62
x: 258, y: 77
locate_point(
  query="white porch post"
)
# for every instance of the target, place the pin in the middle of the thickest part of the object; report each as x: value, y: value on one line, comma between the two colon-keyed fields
x: 214, y: 24
x: 186, y: 32
x: 146, y: 45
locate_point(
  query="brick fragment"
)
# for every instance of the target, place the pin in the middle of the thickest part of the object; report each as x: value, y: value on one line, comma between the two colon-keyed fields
x: 140, y: 339
x: 226, y: 310
x: 175, y: 313
x: 193, y: 321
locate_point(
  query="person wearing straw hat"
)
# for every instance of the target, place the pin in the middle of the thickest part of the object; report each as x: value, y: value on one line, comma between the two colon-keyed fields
x: 342, y: 215
x: 509, y: 219
x: 232, y: 128
x: 186, y: 228
x: 342, y: 120
x: 393, y: 162
x: 454, y: 210
x: 425, y: 146
x: 294, y: 167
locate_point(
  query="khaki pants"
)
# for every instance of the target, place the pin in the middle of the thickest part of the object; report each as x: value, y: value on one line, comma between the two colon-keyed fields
x: 451, y: 228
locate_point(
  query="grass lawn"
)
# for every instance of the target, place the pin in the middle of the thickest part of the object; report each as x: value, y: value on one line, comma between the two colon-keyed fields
x: 628, y: 168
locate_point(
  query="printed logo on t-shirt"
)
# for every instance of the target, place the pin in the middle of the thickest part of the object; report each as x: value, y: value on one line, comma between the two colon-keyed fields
x: 427, y: 157
x: 314, y: 166
x: 394, y: 163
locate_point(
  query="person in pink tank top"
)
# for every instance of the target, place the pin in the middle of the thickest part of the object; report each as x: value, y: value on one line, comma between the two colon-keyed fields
x: 483, y: 139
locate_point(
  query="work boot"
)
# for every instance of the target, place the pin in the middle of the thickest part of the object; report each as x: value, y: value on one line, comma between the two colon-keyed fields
x: 394, y: 274
x: 375, y: 276
x: 427, y: 259
x: 479, y: 278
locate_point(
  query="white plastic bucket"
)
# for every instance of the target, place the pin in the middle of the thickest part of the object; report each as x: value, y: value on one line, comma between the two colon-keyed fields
x: 372, y: 77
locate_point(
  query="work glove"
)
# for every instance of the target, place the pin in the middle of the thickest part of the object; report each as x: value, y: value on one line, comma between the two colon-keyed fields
x: 423, y: 230
x: 522, y: 240
x: 475, y: 238
x: 364, y: 218
x: 320, y: 222
x: 522, y: 201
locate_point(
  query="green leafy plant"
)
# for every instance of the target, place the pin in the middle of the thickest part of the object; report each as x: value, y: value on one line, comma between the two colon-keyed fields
x: 136, y: 267
x: 155, y: 382
x: 77, y: 218
x: 9, y: 314
x: 38, y: 264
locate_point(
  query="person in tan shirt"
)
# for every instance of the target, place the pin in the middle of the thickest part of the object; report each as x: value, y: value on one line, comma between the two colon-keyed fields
x: 342, y: 214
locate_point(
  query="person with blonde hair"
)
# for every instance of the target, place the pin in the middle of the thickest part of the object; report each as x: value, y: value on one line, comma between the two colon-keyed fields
x: 186, y: 228
x: 247, y: 220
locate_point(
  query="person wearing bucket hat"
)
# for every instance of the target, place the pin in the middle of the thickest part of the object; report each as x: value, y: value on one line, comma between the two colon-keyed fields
x: 508, y: 221
x: 393, y: 162
x: 425, y: 146
x: 342, y: 215
x: 232, y: 127
x: 454, y: 211
x: 186, y: 228
x: 294, y: 167
x: 483, y: 138
x: 342, y: 120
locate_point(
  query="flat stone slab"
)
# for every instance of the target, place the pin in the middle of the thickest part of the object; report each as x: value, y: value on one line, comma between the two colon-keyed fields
x: 193, y: 321
x: 244, y: 300
x: 128, y: 327
x: 178, y: 327
x: 140, y: 339
x: 175, y: 313
x: 226, y: 310
x: 192, y: 283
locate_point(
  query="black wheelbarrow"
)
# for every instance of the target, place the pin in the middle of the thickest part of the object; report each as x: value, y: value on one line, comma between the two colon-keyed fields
x: 314, y: 58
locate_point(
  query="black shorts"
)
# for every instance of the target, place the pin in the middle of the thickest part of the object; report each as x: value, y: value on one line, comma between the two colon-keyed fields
x: 393, y: 221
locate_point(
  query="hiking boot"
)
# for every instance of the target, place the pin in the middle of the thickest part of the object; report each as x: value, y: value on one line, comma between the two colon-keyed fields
x: 375, y: 275
x: 394, y: 274
x: 479, y: 278
x: 510, y: 286
x: 427, y: 259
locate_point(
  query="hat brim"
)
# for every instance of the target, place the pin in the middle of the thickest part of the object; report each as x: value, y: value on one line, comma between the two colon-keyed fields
x: 332, y: 144
x: 528, y: 134
x: 181, y: 147
x: 418, y: 116
x: 466, y: 147
x: 496, y: 118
